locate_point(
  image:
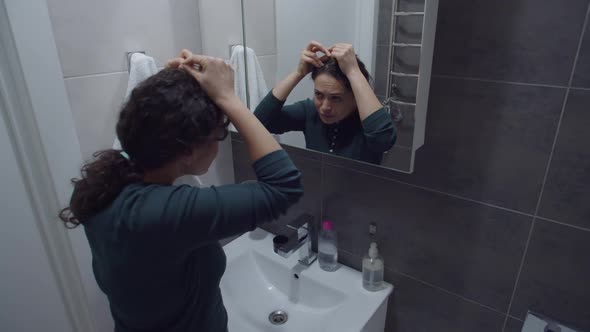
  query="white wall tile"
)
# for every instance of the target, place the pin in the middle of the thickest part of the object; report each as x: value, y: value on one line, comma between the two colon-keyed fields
x: 222, y: 170
x: 221, y: 26
x: 93, y: 36
x: 260, y: 26
x: 95, y: 102
x: 269, y: 69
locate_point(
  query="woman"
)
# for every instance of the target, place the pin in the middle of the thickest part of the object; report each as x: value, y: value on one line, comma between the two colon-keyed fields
x: 345, y: 117
x: 154, y: 245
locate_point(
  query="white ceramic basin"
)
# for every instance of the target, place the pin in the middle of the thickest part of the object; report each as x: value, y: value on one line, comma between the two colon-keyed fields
x: 257, y: 282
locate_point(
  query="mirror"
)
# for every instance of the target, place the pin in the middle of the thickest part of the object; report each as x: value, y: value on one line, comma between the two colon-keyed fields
x: 393, y: 38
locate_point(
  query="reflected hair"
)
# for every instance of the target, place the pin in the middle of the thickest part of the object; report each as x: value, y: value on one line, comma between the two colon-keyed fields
x: 331, y: 68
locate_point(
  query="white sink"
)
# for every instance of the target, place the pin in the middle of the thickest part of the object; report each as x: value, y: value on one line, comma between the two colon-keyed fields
x: 258, y: 282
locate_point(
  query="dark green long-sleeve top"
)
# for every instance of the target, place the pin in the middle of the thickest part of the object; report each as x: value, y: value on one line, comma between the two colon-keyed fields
x: 155, y: 249
x: 365, y: 140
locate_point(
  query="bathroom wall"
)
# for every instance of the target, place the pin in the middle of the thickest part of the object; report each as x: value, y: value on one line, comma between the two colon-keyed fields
x: 92, y: 38
x: 28, y: 284
x: 495, y: 219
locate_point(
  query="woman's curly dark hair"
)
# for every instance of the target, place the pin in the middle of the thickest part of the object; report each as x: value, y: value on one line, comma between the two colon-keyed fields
x: 166, y: 116
x: 331, y: 68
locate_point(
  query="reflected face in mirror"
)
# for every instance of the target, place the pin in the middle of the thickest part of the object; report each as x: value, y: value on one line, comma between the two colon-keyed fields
x: 333, y: 101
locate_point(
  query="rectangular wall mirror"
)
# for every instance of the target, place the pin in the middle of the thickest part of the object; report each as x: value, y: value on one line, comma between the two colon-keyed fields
x: 394, y: 39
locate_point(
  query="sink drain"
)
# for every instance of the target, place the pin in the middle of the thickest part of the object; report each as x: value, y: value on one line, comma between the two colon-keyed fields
x: 278, y: 317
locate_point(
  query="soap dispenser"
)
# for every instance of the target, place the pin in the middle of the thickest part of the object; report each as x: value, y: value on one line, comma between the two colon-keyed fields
x: 373, y: 269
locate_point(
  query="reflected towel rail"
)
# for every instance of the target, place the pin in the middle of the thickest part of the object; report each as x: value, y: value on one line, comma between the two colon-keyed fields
x: 128, y: 55
x: 406, y: 45
x: 403, y: 74
x: 409, y: 14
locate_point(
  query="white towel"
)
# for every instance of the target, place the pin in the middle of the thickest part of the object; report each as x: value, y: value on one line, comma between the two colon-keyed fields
x: 141, y: 67
x: 256, y: 83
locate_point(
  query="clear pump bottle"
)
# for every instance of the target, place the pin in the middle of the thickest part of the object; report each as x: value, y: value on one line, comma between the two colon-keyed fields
x: 373, y: 269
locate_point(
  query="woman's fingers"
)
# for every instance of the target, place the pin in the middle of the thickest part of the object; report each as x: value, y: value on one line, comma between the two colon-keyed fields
x: 185, y: 54
x: 311, y: 61
x: 313, y: 57
x: 345, y: 56
x: 214, y: 75
x: 197, y: 61
x: 178, y: 61
x: 173, y: 63
x: 197, y: 74
x: 315, y: 46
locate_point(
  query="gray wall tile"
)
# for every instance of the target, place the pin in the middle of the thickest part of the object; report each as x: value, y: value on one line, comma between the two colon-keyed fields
x: 408, y: 29
x: 567, y: 192
x: 468, y: 248
x: 399, y: 158
x: 410, y: 5
x: 555, y: 275
x: 488, y: 141
x: 513, y: 325
x: 582, y: 74
x: 384, y: 22
x: 520, y: 41
x: 381, y: 72
x: 417, y: 307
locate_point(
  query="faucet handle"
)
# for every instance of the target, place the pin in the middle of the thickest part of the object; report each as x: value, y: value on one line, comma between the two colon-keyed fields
x: 302, y: 225
x: 303, y: 220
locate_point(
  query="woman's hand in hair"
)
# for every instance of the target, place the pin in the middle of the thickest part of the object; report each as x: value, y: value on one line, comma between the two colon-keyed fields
x: 214, y: 75
x: 176, y: 62
x: 310, y: 59
x: 346, y: 58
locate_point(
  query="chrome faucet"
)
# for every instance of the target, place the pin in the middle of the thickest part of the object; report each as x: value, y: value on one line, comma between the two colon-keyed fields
x: 285, y: 246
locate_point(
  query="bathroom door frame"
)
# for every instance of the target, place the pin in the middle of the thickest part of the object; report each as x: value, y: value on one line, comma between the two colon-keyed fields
x: 31, y: 92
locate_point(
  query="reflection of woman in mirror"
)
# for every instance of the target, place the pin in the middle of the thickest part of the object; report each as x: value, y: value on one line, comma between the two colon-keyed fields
x: 344, y: 118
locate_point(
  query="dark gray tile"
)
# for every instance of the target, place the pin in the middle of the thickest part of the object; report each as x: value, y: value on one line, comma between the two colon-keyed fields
x: 468, y: 248
x: 410, y: 5
x: 235, y: 136
x: 408, y: 29
x: 414, y: 306
x: 555, y: 275
x: 349, y: 259
x: 404, y: 88
x: 311, y: 179
x: 405, y: 126
x: 513, y: 325
x: 407, y: 60
x: 398, y: 158
x: 384, y: 22
x: 488, y: 141
x: 520, y: 41
x: 381, y: 71
x: 417, y: 307
x: 582, y: 74
x: 567, y: 194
